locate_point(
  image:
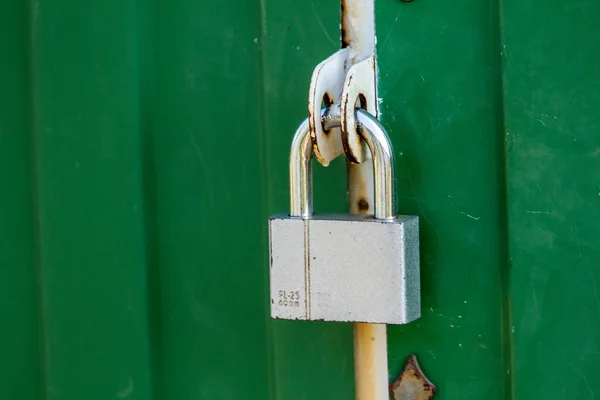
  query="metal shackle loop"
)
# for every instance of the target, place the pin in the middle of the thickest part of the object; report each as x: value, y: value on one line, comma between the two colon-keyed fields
x: 382, y: 153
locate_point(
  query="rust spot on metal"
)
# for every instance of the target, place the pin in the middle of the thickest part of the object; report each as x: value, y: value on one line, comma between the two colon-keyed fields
x: 313, y: 134
x: 363, y: 206
x: 349, y: 156
x: 316, y: 150
x: 361, y: 102
x: 359, y: 189
x: 327, y: 100
x: 412, y: 384
x: 345, y: 40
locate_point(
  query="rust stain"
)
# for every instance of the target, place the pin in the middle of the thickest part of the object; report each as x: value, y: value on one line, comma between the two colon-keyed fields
x: 358, y: 189
x: 327, y: 99
x: 349, y: 155
x: 345, y: 39
x: 362, y: 102
x: 363, y: 206
x: 313, y: 136
x: 412, y: 384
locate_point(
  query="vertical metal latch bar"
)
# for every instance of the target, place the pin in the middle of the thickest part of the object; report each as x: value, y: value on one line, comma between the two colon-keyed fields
x: 349, y: 78
x: 370, y: 340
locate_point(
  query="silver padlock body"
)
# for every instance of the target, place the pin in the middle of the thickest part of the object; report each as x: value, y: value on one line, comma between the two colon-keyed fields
x: 345, y: 267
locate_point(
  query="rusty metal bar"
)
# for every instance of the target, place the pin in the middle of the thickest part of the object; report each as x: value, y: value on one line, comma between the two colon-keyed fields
x: 370, y: 340
x: 349, y: 77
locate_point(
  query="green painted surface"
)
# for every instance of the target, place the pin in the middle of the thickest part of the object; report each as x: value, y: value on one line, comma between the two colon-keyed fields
x: 20, y: 331
x: 144, y: 143
x: 87, y: 136
x: 209, y: 227
x: 552, y: 98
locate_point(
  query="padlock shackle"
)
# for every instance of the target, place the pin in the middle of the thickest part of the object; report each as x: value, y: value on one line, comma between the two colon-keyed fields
x: 373, y: 133
x: 301, y: 183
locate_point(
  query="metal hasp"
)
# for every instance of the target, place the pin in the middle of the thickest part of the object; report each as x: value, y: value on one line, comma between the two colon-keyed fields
x: 347, y: 77
x: 344, y: 267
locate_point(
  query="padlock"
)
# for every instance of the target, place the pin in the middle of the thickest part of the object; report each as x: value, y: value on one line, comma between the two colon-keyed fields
x: 344, y: 267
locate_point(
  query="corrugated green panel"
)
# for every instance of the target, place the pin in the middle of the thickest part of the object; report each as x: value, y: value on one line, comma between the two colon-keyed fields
x: 440, y: 71
x: 210, y: 229
x: 144, y: 143
x: 20, y: 355
x: 88, y: 177
x: 150, y: 221
x: 552, y: 97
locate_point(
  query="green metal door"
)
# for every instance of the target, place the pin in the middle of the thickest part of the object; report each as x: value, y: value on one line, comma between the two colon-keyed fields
x: 144, y: 143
